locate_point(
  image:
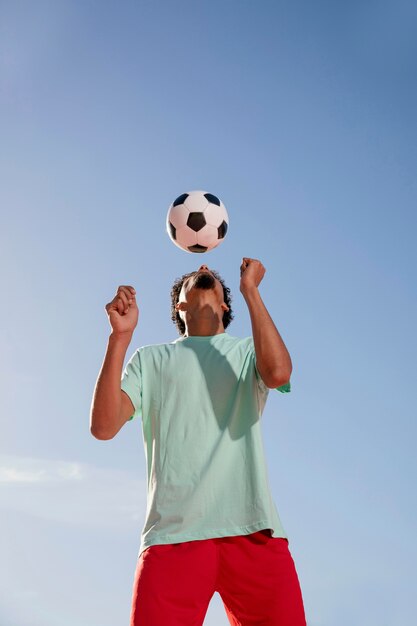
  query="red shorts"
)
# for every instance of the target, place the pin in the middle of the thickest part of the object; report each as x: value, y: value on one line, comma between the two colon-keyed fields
x: 254, y: 574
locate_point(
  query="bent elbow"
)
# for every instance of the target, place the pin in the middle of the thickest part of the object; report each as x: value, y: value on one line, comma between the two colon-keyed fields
x: 276, y: 383
x: 101, y: 435
x: 277, y: 379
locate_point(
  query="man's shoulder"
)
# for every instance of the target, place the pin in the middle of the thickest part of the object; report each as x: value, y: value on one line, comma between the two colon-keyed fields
x: 242, y: 341
x: 157, y: 347
x: 230, y: 344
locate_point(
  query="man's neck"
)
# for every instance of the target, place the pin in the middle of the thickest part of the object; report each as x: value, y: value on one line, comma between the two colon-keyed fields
x: 203, y: 328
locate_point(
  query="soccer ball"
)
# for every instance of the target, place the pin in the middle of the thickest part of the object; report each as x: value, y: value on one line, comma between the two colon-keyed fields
x: 197, y: 221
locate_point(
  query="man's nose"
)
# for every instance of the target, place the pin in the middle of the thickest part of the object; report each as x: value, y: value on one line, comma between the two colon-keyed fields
x: 202, y: 268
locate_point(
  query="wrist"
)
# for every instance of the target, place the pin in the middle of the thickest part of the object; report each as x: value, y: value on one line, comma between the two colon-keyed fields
x: 120, y: 338
x: 250, y: 291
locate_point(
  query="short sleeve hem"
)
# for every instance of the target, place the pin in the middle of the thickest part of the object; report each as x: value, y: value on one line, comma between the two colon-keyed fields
x: 284, y: 388
x: 131, y: 383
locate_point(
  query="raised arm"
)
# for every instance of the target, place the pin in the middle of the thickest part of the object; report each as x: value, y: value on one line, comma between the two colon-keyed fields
x: 272, y: 357
x: 111, y: 407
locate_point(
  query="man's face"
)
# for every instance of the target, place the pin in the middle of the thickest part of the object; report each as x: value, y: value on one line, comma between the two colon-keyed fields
x: 203, y: 280
x: 202, y: 284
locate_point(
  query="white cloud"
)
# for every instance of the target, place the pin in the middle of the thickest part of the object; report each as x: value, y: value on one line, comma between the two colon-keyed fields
x: 72, y: 492
x: 30, y: 470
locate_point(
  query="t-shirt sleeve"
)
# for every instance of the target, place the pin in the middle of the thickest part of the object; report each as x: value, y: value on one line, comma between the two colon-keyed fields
x: 284, y: 388
x: 259, y: 380
x: 131, y: 383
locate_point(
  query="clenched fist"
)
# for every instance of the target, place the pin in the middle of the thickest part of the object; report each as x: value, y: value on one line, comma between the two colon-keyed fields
x: 251, y: 273
x: 123, y: 311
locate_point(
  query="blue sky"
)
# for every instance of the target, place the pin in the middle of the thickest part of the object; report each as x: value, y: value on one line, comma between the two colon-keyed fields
x: 300, y: 116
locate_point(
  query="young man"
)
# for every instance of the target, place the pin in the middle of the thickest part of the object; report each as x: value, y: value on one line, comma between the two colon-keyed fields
x: 211, y: 524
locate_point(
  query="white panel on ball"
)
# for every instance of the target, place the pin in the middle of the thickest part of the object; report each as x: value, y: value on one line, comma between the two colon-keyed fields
x: 186, y: 236
x: 196, y: 201
x: 208, y: 236
x: 213, y: 213
x: 180, y: 216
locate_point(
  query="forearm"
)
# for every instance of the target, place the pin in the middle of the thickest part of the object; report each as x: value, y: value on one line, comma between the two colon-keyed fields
x: 272, y: 357
x: 105, y: 414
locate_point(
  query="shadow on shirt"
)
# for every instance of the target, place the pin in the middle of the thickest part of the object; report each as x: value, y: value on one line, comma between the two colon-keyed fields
x: 235, y: 397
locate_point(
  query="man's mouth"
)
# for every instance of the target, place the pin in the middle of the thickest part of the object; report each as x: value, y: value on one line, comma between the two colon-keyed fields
x: 204, y: 280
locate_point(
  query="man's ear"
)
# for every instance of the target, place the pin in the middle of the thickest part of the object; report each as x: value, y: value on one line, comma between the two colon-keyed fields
x: 181, y: 306
x: 224, y: 306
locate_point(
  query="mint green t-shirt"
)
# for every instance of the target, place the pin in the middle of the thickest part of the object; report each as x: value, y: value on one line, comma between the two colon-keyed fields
x: 200, y: 400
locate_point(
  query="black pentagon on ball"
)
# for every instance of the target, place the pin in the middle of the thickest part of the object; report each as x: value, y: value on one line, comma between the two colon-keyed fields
x: 222, y: 230
x: 181, y: 199
x: 172, y: 230
x: 196, y: 221
x: 197, y: 248
x: 212, y: 199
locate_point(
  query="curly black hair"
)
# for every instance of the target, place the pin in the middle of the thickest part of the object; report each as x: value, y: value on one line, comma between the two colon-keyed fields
x: 175, y: 295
